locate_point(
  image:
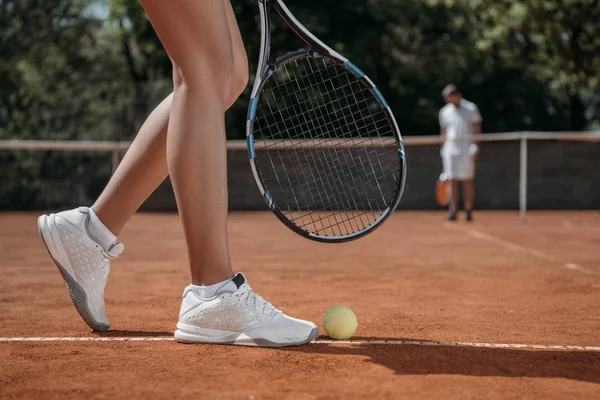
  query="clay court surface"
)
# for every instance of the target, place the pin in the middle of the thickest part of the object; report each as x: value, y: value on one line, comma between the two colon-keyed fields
x: 417, y: 279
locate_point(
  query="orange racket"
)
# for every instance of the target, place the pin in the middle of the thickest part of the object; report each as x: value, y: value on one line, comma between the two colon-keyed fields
x: 442, y: 190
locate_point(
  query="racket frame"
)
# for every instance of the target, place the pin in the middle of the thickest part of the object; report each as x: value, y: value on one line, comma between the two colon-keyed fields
x: 265, y: 70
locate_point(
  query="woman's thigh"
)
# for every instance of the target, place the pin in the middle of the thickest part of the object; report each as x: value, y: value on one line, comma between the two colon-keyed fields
x: 240, y: 58
x: 196, y: 35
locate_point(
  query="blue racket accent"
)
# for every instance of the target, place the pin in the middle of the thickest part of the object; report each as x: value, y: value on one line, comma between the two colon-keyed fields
x: 252, y: 108
x: 250, y: 142
x: 401, y: 146
x: 379, y: 97
x: 355, y: 69
x: 269, y: 199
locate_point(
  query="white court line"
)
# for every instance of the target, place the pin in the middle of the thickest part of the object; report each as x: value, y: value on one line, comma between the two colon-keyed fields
x: 318, y: 341
x: 578, y: 267
x: 513, y: 246
x: 509, y: 245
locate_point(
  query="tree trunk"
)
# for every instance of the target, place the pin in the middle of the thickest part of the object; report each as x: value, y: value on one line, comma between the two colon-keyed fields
x: 140, y: 104
x: 576, y: 113
x: 576, y: 107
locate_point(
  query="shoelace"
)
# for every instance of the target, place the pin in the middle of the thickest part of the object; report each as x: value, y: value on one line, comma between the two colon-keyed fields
x: 245, y: 293
x: 108, y: 255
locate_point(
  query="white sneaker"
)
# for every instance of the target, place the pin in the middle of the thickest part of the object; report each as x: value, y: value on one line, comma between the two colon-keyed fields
x: 82, y: 261
x: 241, y: 317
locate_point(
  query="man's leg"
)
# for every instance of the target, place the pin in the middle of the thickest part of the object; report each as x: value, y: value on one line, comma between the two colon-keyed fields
x: 468, y: 185
x: 469, y: 194
x: 453, y: 204
x: 449, y: 168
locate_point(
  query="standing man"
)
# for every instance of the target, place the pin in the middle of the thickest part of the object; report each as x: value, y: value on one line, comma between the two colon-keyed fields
x: 459, y: 119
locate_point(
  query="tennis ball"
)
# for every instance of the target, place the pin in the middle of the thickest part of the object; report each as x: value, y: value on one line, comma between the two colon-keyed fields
x: 340, y: 322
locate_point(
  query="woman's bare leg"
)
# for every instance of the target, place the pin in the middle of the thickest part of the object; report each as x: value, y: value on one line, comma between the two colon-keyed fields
x: 140, y: 172
x: 144, y: 166
x: 239, y: 80
x: 196, y: 151
x: 196, y: 36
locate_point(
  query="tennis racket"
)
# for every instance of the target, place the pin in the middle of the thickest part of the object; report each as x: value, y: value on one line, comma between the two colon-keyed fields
x: 324, y: 147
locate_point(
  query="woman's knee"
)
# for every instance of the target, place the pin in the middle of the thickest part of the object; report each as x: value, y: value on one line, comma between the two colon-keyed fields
x: 215, y: 72
x: 239, y: 82
x: 240, y: 74
x: 206, y: 71
x: 177, y: 75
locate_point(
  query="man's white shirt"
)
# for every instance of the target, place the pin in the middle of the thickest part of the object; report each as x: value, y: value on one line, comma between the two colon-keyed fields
x: 458, y: 122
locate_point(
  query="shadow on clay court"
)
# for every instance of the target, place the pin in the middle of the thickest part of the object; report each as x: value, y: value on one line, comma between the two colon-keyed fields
x: 132, y: 334
x: 471, y: 361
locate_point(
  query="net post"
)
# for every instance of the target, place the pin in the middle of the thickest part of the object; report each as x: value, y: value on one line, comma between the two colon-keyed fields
x: 523, y: 178
x: 114, y: 159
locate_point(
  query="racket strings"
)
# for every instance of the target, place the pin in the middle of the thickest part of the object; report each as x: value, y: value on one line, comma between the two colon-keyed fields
x: 353, y: 93
x: 336, y: 222
x: 294, y: 111
x: 325, y: 149
x: 337, y: 202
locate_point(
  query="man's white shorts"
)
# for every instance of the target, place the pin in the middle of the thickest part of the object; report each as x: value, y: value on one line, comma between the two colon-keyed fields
x: 459, y: 167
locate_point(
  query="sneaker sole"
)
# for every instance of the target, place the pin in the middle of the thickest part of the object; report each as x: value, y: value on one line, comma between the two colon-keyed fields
x: 77, y: 293
x: 187, y: 338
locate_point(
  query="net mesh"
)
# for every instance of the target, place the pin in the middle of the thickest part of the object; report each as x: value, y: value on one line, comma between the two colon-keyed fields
x: 325, y: 149
x: 561, y: 175
x: 38, y: 180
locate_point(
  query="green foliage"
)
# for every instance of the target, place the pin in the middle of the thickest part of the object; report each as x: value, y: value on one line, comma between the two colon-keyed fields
x: 557, y: 42
x: 94, y: 69
x: 67, y: 72
x: 57, y: 74
x: 56, y: 71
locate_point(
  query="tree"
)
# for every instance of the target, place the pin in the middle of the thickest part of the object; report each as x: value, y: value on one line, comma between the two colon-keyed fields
x: 59, y: 80
x: 148, y: 66
x: 94, y: 69
x: 410, y: 49
x: 57, y: 71
x: 556, y: 41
